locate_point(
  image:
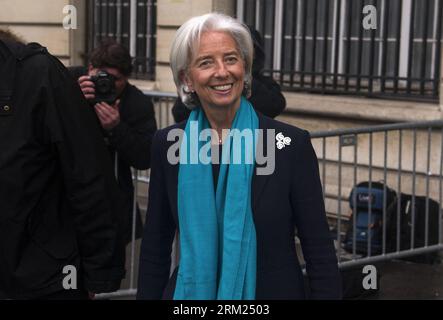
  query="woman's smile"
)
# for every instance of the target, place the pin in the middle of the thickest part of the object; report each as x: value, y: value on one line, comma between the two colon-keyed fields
x: 222, y: 89
x: 217, y: 71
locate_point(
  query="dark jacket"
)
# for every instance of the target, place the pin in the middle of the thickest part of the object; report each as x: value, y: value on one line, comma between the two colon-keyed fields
x: 289, y: 198
x: 131, y: 139
x: 266, y: 97
x: 59, y: 202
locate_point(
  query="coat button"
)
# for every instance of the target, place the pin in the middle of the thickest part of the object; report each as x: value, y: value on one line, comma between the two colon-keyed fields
x: 6, y: 108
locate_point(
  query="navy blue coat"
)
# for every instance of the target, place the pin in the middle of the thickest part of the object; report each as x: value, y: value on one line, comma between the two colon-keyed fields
x: 285, y: 203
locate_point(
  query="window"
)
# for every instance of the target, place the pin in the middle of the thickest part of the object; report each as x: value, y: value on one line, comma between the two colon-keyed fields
x: 130, y: 22
x: 321, y: 45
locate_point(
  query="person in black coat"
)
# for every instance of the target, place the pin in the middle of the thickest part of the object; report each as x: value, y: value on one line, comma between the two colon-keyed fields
x: 59, y: 202
x: 236, y: 221
x: 266, y: 96
x: 128, y: 125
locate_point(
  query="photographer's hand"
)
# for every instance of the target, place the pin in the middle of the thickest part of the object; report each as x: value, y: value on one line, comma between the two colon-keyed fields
x: 87, y: 87
x: 109, y: 116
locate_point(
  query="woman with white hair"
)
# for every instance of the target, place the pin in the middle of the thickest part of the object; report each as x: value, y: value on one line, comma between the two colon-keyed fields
x: 235, y: 218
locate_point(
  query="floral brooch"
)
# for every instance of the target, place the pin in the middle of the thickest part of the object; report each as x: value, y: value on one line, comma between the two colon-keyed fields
x: 282, y: 141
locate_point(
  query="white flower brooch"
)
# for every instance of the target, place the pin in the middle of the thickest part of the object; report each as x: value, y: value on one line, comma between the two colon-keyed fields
x: 282, y: 141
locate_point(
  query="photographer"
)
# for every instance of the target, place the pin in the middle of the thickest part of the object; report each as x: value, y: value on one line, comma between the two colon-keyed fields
x: 126, y: 116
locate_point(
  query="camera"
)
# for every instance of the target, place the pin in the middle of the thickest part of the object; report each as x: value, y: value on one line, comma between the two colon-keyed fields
x: 104, y: 87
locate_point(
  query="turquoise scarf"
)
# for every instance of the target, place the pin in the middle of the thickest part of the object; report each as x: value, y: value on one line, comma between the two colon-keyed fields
x: 217, y: 234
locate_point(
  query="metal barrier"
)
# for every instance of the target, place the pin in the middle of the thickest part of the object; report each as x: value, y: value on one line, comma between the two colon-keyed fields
x: 163, y: 102
x: 347, y: 157
x: 408, y: 157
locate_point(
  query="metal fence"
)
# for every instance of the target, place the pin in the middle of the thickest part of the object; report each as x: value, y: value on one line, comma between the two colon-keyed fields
x: 130, y: 22
x: 321, y: 45
x: 163, y: 103
x: 407, y: 157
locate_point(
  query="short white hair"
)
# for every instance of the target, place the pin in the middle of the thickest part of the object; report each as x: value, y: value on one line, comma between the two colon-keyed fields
x: 187, y: 39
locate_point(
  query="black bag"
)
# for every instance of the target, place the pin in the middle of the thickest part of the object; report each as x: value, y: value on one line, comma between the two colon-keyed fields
x: 415, y: 206
x: 361, y: 198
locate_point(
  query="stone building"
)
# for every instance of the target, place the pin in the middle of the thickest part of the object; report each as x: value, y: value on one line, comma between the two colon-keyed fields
x: 334, y: 73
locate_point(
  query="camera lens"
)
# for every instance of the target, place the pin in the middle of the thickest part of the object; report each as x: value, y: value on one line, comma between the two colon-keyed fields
x: 103, y: 86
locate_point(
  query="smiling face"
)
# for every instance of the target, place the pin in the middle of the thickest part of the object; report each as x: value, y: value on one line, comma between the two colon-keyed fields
x: 216, y: 72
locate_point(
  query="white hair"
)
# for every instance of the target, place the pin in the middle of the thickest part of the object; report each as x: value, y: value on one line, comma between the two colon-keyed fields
x: 186, y: 41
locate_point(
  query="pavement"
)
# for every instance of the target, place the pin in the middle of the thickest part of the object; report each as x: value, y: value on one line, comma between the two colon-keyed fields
x: 403, y: 280
x: 398, y: 280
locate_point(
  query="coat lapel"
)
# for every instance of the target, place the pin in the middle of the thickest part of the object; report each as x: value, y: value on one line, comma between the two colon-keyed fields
x: 259, y: 181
